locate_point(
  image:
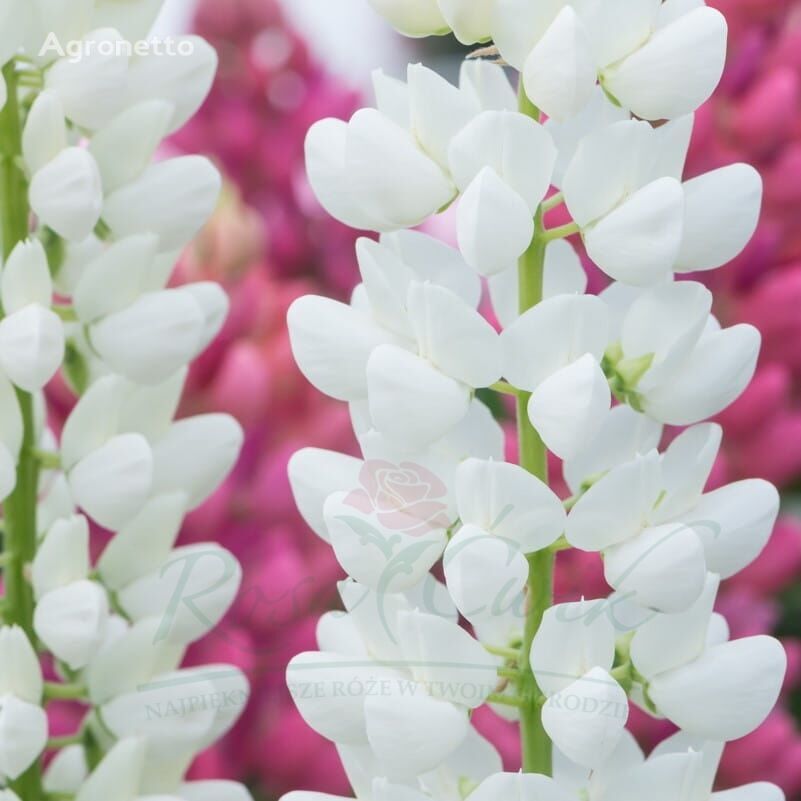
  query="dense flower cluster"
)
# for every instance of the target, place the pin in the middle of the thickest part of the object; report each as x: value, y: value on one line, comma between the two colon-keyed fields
x: 396, y: 676
x: 91, y: 228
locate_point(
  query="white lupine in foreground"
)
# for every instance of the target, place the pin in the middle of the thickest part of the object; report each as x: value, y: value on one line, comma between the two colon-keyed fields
x: 91, y: 215
x: 595, y: 380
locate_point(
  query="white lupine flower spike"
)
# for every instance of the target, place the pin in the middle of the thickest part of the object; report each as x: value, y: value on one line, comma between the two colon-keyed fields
x: 92, y: 223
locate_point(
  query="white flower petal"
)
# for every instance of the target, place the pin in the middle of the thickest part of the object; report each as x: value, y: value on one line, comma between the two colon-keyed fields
x: 735, y: 523
x: 26, y: 277
x: 31, y: 346
x: 20, y: 671
x: 569, y: 407
x: 314, y: 475
x: 639, y: 241
x: 412, y: 17
x: 191, y: 592
x: 137, y: 132
x: 663, y: 568
x: 586, y: 719
x: 153, y: 338
x: 23, y: 735
x: 519, y: 149
x: 326, y: 144
x: 92, y: 85
x: 195, y: 455
x: 572, y: 639
x: 171, y: 199
x: 520, y: 787
x: 442, y: 656
x: 494, y: 224
x: 71, y: 621
x: 510, y: 502
x: 613, y: 508
x: 112, y: 483
x: 331, y: 343
x: 664, y: 642
x: 605, y: 169
x: 67, y: 194
x: 183, y: 81
x: 411, y: 401
x: 559, y: 73
x: 45, y: 134
x: 713, y: 376
x: 389, y: 173
x: 143, y: 544
x: 727, y: 692
x: 382, y: 558
x: 552, y: 335
x: 63, y: 556
x: 119, y: 772
x: 686, y: 466
x: 432, y: 260
x: 438, y: 111
x: 453, y: 336
x: 484, y: 574
x: 413, y: 733
x: 114, y: 279
x: 488, y: 85
x: 623, y: 435
x: 721, y: 212
x: 676, y: 70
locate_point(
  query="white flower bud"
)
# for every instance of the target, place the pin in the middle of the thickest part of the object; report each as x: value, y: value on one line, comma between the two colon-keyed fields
x: 172, y: 199
x: 23, y: 735
x: 20, y: 672
x: 586, y: 719
x: 153, y: 338
x: 91, y: 87
x: 195, y: 455
x: 67, y: 771
x: 31, y: 346
x: 190, y: 592
x: 145, y: 543
x: 67, y: 194
x: 63, y: 556
x: 45, y: 134
x: 118, y: 774
x: 26, y: 277
x: 137, y: 132
x: 413, y: 17
x: 182, y: 80
x: 71, y: 621
x: 112, y: 483
x: 115, y: 278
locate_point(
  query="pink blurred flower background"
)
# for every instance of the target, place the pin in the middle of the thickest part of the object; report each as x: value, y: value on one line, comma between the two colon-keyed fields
x: 270, y: 242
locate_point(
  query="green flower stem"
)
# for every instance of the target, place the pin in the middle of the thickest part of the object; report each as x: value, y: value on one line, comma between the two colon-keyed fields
x: 535, y: 744
x: 562, y: 232
x: 504, y: 700
x: 553, y: 201
x: 19, y: 509
x: 64, y: 692
x: 57, y: 743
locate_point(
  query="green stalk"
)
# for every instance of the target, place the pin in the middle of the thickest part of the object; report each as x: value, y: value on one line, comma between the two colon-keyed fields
x: 19, y: 510
x: 535, y: 744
